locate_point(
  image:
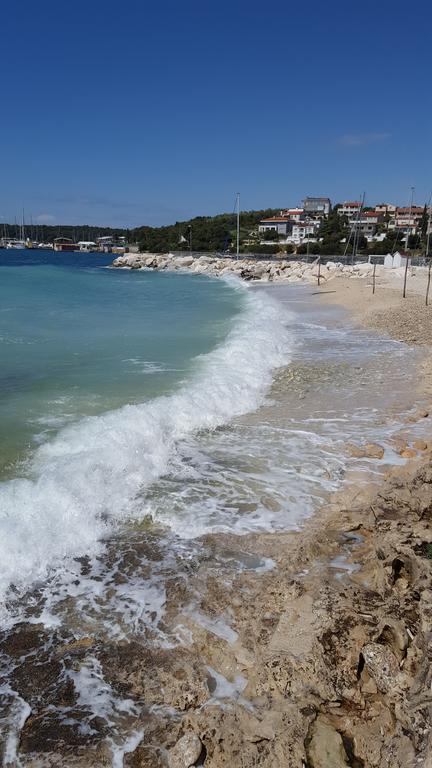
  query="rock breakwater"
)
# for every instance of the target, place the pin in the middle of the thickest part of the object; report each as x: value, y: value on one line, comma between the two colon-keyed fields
x: 274, y: 270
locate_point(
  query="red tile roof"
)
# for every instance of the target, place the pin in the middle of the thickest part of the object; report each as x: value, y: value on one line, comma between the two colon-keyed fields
x: 416, y: 209
x: 275, y: 218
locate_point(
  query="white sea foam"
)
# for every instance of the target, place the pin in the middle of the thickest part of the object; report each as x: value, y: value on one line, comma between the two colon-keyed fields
x: 94, y: 473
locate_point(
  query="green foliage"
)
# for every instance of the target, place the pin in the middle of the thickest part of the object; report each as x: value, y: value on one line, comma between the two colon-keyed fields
x: 424, y: 223
x: 261, y: 248
x: 289, y: 248
x: 414, y: 242
x: 314, y: 248
x: 392, y: 242
x: 270, y: 234
x: 46, y: 234
x: 333, y: 230
x: 209, y: 233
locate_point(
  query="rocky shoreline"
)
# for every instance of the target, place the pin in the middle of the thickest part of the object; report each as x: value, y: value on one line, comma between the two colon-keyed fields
x: 321, y: 661
x: 276, y: 270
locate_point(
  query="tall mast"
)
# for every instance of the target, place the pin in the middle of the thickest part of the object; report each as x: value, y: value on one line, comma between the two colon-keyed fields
x: 22, y: 226
x: 357, y: 227
x: 429, y: 227
x: 409, y: 220
x: 238, y: 225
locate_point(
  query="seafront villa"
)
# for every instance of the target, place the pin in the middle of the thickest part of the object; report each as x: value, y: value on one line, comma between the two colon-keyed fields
x: 297, y: 225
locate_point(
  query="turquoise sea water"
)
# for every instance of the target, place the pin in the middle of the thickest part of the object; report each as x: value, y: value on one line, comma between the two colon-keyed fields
x: 106, y: 375
x: 78, y: 339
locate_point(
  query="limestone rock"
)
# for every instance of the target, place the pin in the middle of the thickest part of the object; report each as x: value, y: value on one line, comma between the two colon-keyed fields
x: 355, y: 451
x: 326, y: 749
x: 374, y: 451
x: 186, y: 752
x: 408, y: 453
x: 420, y: 445
x: 382, y: 665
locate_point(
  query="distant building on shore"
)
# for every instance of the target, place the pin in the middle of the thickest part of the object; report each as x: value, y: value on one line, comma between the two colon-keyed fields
x: 280, y: 224
x: 293, y: 214
x: 303, y: 230
x: 65, y: 244
x: 317, y: 206
x: 349, y: 209
x: 385, y: 208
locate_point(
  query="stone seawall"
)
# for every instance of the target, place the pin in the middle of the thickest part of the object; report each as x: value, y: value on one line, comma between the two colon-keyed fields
x: 247, y: 269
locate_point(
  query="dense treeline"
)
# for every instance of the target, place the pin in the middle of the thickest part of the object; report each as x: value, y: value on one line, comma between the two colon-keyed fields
x: 44, y: 233
x: 207, y: 233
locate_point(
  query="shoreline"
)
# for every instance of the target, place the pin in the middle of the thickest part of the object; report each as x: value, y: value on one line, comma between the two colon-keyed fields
x: 353, y: 674
x: 306, y: 646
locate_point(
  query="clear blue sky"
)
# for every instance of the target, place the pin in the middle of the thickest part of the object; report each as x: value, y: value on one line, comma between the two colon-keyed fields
x: 143, y: 112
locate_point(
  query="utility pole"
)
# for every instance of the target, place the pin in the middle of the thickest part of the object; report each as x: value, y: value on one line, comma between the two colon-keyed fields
x: 238, y: 225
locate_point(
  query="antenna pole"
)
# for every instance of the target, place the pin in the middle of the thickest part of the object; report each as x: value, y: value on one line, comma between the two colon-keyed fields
x: 238, y: 225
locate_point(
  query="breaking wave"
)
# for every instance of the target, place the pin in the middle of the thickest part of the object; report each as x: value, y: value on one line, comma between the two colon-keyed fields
x: 93, y: 475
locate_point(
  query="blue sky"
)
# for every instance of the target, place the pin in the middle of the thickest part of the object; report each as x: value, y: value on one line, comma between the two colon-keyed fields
x: 145, y: 113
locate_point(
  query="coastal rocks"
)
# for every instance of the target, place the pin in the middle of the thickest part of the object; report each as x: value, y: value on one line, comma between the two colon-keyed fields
x: 278, y: 269
x: 370, y: 451
x: 374, y: 451
x: 186, y: 752
x: 325, y: 747
x: 382, y: 666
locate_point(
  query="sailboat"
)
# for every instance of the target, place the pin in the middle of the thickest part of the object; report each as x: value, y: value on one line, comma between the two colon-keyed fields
x: 18, y: 243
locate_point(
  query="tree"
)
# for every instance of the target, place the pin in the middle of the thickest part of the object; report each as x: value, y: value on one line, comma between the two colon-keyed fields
x: 424, y: 223
x: 314, y: 248
x: 269, y: 234
x: 332, y: 231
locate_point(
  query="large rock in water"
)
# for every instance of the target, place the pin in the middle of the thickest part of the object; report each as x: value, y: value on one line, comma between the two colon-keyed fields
x: 186, y: 752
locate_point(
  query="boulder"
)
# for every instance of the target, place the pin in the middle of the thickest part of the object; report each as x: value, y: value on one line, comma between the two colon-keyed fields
x: 326, y: 749
x: 374, y: 451
x: 185, y: 752
x: 356, y: 451
x: 382, y: 665
x: 408, y: 453
x: 185, y: 261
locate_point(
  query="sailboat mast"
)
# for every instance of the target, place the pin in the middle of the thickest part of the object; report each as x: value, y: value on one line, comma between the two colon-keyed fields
x: 429, y: 227
x: 357, y: 227
x: 238, y: 225
x: 409, y: 219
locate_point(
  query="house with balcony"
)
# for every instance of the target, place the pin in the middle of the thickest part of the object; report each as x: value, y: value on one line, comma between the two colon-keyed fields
x: 280, y: 224
x: 407, y: 219
x: 386, y: 208
x: 293, y: 214
x: 367, y: 224
x: 303, y: 230
x: 350, y: 209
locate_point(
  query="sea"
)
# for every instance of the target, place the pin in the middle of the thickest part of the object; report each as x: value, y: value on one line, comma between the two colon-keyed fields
x: 142, y: 411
